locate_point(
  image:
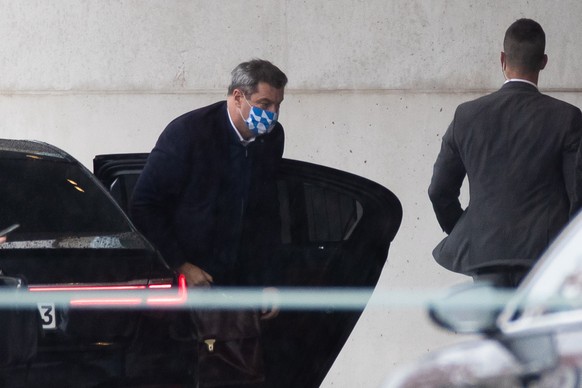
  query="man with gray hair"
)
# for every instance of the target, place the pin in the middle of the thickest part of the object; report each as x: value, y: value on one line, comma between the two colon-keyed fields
x: 518, y: 149
x: 206, y: 198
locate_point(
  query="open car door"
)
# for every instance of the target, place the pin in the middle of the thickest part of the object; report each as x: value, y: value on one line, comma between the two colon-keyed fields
x: 336, y: 231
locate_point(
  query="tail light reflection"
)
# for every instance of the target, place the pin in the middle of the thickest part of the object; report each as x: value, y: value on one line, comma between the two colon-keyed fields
x: 155, y: 293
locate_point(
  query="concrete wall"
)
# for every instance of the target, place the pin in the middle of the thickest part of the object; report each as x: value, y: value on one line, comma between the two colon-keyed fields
x: 373, y: 86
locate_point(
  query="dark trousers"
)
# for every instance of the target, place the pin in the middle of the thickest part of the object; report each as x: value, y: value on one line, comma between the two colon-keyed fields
x: 502, y: 276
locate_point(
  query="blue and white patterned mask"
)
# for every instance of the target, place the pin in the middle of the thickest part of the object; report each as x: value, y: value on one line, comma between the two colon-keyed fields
x: 260, y: 121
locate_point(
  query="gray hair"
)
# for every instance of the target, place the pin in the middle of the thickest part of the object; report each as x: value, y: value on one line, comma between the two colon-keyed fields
x: 247, y: 75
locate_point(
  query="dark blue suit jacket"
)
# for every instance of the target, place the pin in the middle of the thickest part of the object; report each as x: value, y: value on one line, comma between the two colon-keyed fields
x: 181, y: 201
x: 518, y: 149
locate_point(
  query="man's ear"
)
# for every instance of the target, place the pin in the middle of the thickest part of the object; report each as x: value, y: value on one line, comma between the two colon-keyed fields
x: 544, y: 62
x: 502, y: 60
x: 237, y: 94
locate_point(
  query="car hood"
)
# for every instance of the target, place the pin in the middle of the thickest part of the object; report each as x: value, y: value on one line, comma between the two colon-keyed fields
x: 485, y: 363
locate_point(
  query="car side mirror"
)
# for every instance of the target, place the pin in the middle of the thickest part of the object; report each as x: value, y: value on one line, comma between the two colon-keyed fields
x: 10, y: 283
x: 470, y: 309
x: 536, y: 352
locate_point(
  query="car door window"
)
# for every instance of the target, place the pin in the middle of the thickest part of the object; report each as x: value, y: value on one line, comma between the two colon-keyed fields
x: 326, y: 214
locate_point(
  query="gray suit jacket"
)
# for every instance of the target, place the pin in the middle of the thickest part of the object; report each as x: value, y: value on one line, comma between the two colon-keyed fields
x: 518, y: 149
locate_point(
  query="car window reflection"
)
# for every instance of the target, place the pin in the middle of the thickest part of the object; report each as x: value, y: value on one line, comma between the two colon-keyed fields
x: 51, y: 198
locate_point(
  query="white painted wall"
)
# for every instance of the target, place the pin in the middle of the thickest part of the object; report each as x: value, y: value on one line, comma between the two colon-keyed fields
x: 373, y: 86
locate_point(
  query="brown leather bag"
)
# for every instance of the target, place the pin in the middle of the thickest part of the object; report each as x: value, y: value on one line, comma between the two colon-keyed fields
x: 229, y: 347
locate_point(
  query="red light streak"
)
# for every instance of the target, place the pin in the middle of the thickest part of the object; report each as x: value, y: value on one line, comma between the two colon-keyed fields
x: 106, y: 302
x: 174, y: 300
x: 154, y: 300
x: 84, y: 288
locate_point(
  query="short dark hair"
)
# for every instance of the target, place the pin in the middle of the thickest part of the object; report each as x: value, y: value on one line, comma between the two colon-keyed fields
x: 247, y: 75
x: 525, y: 44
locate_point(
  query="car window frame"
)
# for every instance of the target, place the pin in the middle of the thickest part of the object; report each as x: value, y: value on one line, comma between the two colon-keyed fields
x: 534, y: 305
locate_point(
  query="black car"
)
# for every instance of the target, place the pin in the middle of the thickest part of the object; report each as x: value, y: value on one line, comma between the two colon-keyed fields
x: 336, y: 231
x: 74, y: 239
x: 73, y: 248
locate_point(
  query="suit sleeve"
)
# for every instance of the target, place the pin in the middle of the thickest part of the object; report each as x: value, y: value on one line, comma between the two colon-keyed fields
x: 572, y: 164
x: 156, y: 195
x: 448, y: 175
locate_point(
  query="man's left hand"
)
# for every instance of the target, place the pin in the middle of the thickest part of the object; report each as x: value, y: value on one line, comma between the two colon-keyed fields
x: 270, y: 306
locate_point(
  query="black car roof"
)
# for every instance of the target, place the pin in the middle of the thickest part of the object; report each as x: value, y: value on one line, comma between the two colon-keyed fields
x: 32, y: 147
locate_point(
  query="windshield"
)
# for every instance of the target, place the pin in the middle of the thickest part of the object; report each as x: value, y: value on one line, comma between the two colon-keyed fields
x: 52, y: 198
x: 555, y: 285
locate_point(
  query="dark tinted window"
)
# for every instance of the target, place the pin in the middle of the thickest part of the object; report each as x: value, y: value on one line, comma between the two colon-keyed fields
x: 122, y: 188
x: 331, y: 215
x: 50, y: 197
x: 313, y: 213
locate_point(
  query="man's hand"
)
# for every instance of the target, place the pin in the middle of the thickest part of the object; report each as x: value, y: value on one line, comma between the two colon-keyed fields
x: 2, y: 240
x: 195, y: 276
x: 271, y: 303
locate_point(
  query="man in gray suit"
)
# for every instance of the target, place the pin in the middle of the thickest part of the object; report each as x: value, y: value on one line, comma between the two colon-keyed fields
x: 518, y: 149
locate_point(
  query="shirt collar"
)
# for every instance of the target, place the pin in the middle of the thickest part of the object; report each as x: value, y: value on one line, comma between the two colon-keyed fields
x: 521, y: 80
x: 242, y: 141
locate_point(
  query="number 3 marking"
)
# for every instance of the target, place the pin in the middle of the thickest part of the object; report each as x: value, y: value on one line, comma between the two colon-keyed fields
x: 47, y: 315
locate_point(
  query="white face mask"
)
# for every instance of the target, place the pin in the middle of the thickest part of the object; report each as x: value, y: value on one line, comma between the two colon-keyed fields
x: 260, y: 121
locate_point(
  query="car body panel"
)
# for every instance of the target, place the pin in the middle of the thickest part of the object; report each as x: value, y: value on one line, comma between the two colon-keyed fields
x: 468, y: 364
x: 336, y: 230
